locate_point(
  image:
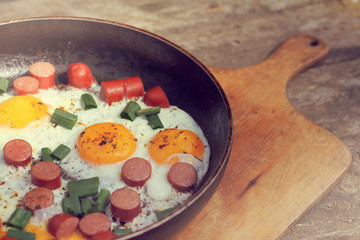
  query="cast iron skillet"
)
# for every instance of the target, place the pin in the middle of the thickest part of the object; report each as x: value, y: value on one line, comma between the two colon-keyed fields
x: 114, y: 51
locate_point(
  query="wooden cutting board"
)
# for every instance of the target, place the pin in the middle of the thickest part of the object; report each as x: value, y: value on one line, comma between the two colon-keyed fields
x: 281, y: 163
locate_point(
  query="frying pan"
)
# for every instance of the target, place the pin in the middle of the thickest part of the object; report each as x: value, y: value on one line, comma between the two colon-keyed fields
x: 112, y: 51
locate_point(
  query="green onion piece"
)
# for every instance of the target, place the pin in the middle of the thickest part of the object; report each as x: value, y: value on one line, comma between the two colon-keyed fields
x: 86, y: 205
x: 101, y: 201
x: 4, y: 84
x: 46, y: 154
x: 88, y: 101
x: 129, y: 111
x: 71, y: 205
x: 163, y: 213
x: 18, y: 234
x: 154, y: 121
x: 121, y: 231
x: 19, y: 218
x: 65, y: 119
x: 148, y: 111
x: 84, y: 187
x: 60, y: 152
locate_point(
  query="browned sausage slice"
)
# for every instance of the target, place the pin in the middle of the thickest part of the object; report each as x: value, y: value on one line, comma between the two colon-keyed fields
x: 46, y: 174
x: 62, y: 225
x: 125, y: 204
x: 38, y: 198
x: 182, y: 176
x: 136, y: 171
x: 44, y: 72
x: 93, y: 223
x: 17, y: 152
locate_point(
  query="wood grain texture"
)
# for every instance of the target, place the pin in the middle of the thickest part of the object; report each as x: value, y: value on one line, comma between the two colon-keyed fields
x: 281, y: 163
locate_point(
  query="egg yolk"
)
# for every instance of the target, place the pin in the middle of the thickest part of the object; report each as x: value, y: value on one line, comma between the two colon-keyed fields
x: 19, y: 111
x: 175, y: 141
x: 106, y: 143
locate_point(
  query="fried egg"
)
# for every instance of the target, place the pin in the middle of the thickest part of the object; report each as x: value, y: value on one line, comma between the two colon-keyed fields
x: 100, y: 143
x: 106, y: 143
x: 19, y: 111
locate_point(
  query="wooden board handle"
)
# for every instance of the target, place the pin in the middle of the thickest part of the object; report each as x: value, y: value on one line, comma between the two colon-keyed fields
x: 297, y: 53
x: 269, y: 78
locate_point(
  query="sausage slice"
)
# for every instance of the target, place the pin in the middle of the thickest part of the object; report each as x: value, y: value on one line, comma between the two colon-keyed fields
x: 38, y: 198
x: 136, y: 171
x: 26, y: 85
x: 125, y: 204
x: 106, y: 235
x: 17, y: 152
x: 44, y: 72
x: 62, y: 225
x: 46, y: 174
x: 93, y: 223
x: 182, y: 176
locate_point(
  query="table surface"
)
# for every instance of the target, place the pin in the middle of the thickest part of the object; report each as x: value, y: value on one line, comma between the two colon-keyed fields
x: 240, y: 33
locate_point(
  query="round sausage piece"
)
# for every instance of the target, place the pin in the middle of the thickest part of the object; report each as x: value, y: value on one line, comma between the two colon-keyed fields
x: 17, y: 152
x: 44, y: 72
x: 26, y: 85
x: 182, y: 176
x: 125, y: 204
x: 79, y: 75
x: 93, y: 223
x: 62, y: 225
x: 106, y: 235
x: 38, y: 198
x: 46, y: 174
x: 136, y: 171
x: 133, y: 87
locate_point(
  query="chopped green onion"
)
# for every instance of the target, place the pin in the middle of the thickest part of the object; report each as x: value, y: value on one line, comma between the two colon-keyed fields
x: 84, y: 187
x: 71, y: 205
x: 154, y: 121
x: 60, y: 152
x: 129, y: 111
x: 18, y: 234
x: 121, y: 231
x: 19, y: 218
x: 163, y: 213
x: 46, y: 154
x: 4, y: 84
x: 86, y: 205
x: 148, y: 111
x: 88, y: 101
x: 63, y: 118
x: 101, y: 201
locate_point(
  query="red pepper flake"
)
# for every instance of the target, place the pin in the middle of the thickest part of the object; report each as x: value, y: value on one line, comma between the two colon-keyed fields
x: 2, y: 183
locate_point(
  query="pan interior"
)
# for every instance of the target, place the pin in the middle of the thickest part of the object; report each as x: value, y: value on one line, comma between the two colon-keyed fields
x: 114, y: 51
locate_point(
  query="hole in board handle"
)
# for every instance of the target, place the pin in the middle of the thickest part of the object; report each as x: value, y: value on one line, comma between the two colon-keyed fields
x: 314, y: 42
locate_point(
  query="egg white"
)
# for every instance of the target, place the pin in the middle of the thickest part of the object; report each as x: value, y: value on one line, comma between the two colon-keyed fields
x: 157, y: 193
